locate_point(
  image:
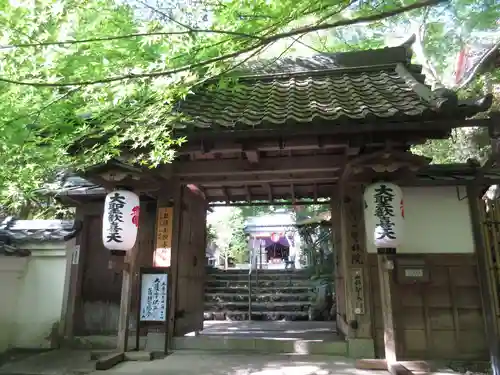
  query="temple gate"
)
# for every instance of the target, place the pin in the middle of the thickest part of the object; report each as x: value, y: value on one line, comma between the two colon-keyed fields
x: 325, y: 128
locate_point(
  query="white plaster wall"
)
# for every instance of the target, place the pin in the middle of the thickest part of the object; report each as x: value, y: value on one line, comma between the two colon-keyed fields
x: 40, y: 297
x: 31, y: 291
x: 11, y: 273
x: 437, y: 221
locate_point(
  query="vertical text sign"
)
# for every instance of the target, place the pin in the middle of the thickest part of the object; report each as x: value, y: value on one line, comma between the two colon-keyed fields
x: 163, y: 237
x: 358, y: 291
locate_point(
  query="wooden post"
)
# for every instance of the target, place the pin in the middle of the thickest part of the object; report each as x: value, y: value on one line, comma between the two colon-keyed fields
x: 72, y: 257
x: 128, y: 279
x: 126, y: 299
x: 174, y: 257
x: 353, y: 265
x: 387, y: 315
x: 74, y: 314
x: 128, y: 273
x: 492, y: 333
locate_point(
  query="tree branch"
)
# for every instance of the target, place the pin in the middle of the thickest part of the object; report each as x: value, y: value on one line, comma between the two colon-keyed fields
x: 129, y: 36
x: 371, y: 18
x: 139, y: 35
x: 260, y: 43
x: 165, y: 15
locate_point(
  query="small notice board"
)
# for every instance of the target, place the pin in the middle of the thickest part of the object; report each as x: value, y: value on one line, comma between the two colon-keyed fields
x: 153, y: 299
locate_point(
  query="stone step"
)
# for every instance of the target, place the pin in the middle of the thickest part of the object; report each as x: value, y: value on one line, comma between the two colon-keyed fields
x: 265, y: 276
x: 233, y: 271
x: 259, y: 306
x: 261, y: 345
x: 264, y: 283
x: 238, y: 290
x: 243, y: 315
x: 257, y: 297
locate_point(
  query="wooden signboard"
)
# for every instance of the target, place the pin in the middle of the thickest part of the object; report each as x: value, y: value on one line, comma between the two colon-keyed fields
x: 358, y: 293
x: 153, y: 304
x: 153, y: 300
x: 164, y: 221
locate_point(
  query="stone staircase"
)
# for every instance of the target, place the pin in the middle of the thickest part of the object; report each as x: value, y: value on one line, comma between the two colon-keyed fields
x: 275, y: 294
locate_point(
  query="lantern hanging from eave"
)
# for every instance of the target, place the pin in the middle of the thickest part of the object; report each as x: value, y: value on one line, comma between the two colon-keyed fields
x: 120, y: 221
x: 384, y: 214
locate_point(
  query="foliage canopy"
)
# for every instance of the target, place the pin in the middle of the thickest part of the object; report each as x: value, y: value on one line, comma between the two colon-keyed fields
x: 74, y: 69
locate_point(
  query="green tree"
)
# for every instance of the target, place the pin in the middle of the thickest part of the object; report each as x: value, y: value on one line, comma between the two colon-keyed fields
x: 110, y: 72
x: 226, y: 225
x: 441, y: 32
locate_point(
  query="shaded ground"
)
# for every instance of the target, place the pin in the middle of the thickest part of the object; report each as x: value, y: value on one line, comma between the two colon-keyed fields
x: 197, y: 363
x: 78, y: 362
x: 320, y: 331
x: 55, y: 362
x: 17, y: 355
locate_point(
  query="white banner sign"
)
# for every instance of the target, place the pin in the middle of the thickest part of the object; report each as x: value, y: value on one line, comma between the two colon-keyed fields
x: 154, y: 297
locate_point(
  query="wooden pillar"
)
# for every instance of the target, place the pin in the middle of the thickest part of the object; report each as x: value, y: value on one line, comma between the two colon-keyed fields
x: 340, y: 289
x: 72, y: 256
x: 384, y: 268
x: 126, y: 299
x: 353, y: 263
x: 492, y: 330
x: 174, y: 256
x: 74, y: 313
x: 129, y: 281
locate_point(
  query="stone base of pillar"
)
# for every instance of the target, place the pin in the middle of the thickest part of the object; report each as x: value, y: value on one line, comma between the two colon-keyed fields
x: 360, y: 348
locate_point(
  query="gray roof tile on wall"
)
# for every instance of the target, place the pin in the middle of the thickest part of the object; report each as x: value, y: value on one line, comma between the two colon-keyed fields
x: 38, y: 230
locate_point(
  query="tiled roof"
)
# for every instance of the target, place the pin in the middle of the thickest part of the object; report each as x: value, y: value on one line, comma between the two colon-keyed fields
x: 14, y: 230
x: 354, y: 87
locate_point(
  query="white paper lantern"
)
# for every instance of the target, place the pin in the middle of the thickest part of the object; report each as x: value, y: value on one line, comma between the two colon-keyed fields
x: 120, y: 221
x: 384, y: 215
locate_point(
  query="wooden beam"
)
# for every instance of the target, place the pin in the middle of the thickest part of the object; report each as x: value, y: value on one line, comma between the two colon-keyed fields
x: 319, y: 127
x: 266, y: 144
x: 109, y: 361
x: 277, y: 191
x: 257, y: 179
x: 285, y: 202
x: 279, y: 165
x: 264, y: 198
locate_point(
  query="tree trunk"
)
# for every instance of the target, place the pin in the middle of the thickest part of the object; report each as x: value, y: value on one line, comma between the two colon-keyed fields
x: 226, y: 261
